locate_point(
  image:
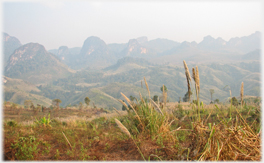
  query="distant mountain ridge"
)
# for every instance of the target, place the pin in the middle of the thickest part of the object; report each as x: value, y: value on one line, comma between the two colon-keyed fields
x: 33, y: 63
x: 100, y: 55
x: 10, y: 44
x: 103, y: 68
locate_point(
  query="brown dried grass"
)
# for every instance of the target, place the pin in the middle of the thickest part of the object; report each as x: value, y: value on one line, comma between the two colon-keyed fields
x: 188, y: 78
x: 193, y: 74
x: 225, y: 143
x: 123, y: 128
x: 197, y: 79
x: 147, y: 86
x: 156, y: 106
x: 242, y: 92
x: 187, y: 71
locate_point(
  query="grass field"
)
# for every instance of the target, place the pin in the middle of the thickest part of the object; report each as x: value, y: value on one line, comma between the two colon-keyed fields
x: 145, y: 131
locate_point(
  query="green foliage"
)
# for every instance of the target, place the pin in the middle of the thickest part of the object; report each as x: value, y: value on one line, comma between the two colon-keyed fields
x: 234, y: 101
x: 44, y: 121
x: 195, y: 102
x: 178, y: 112
x: 155, y: 98
x: 132, y: 98
x: 150, y: 119
x: 257, y: 100
x: 71, y: 90
x: 87, y: 100
x: 216, y: 101
x: 165, y: 88
x: 26, y: 147
x: 186, y: 97
x: 12, y: 123
x: 57, y: 102
x: 123, y: 107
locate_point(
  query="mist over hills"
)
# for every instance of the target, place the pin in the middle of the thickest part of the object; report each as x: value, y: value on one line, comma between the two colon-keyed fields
x: 161, y: 51
x: 101, y: 71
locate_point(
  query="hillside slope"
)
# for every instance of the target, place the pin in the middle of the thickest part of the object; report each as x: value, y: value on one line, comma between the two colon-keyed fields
x: 31, y: 62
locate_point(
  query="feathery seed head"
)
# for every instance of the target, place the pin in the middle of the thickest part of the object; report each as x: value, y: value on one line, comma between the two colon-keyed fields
x: 242, y: 92
x: 122, y: 128
x: 187, y: 71
x: 197, y: 79
x: 147, y: 86
x: 193, y: 75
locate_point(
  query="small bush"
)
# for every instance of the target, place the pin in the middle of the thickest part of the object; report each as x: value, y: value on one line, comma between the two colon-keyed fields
x: 12, y: 123
x: 26, y: 147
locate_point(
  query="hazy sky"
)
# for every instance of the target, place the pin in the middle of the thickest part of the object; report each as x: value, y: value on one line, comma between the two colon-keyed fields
x: 56, y: 23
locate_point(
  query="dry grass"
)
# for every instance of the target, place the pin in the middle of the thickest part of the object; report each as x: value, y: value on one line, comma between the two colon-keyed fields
x: 242, y: 92
x: 147, y: 86
x: 188, y: 78
x: 220, y: 142
x: 197, y: 81
x: 156, y: 106
x: 122, y: 128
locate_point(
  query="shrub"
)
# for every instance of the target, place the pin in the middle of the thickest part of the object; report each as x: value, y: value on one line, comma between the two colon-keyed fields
x: 12, y: 123
x: 26, y: 147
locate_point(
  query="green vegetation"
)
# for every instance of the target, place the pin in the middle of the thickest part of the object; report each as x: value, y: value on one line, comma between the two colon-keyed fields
x: 26, y: 147
x: 87, y: 100
x: 57, y: 102
x: 165, y: 88
x: 75, y: 87
x: 155, y: 98
x: 44, y: 121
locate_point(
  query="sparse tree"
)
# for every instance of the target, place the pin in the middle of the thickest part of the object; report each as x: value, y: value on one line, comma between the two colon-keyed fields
x: 132, y: 98
x: 234, y: 101
x: 87, y: 100
x: 123, y: 107
x: 186, y: 97
x: 57, y: 102
x: 211, y: 92
x: 27, y: 103
x: 165, y: 88
x: 216, y: 101
x: 155, y: 98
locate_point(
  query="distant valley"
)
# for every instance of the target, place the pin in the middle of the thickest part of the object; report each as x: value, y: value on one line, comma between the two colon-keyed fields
x: 101, y: 71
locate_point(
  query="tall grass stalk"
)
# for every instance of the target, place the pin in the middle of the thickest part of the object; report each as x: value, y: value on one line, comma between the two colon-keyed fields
x: 188, y: 78
x: 125, y: 130
x: 147, y: 86
x: 129, y: 102
x: 197, y: 87
x: 242, y: 93
x: 67, y: 140
x: 164, y: 94
x: 230, y: 110
x: 156, y: 106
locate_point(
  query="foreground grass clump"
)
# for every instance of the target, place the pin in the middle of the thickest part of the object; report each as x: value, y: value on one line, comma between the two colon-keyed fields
x: 160, y: 137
